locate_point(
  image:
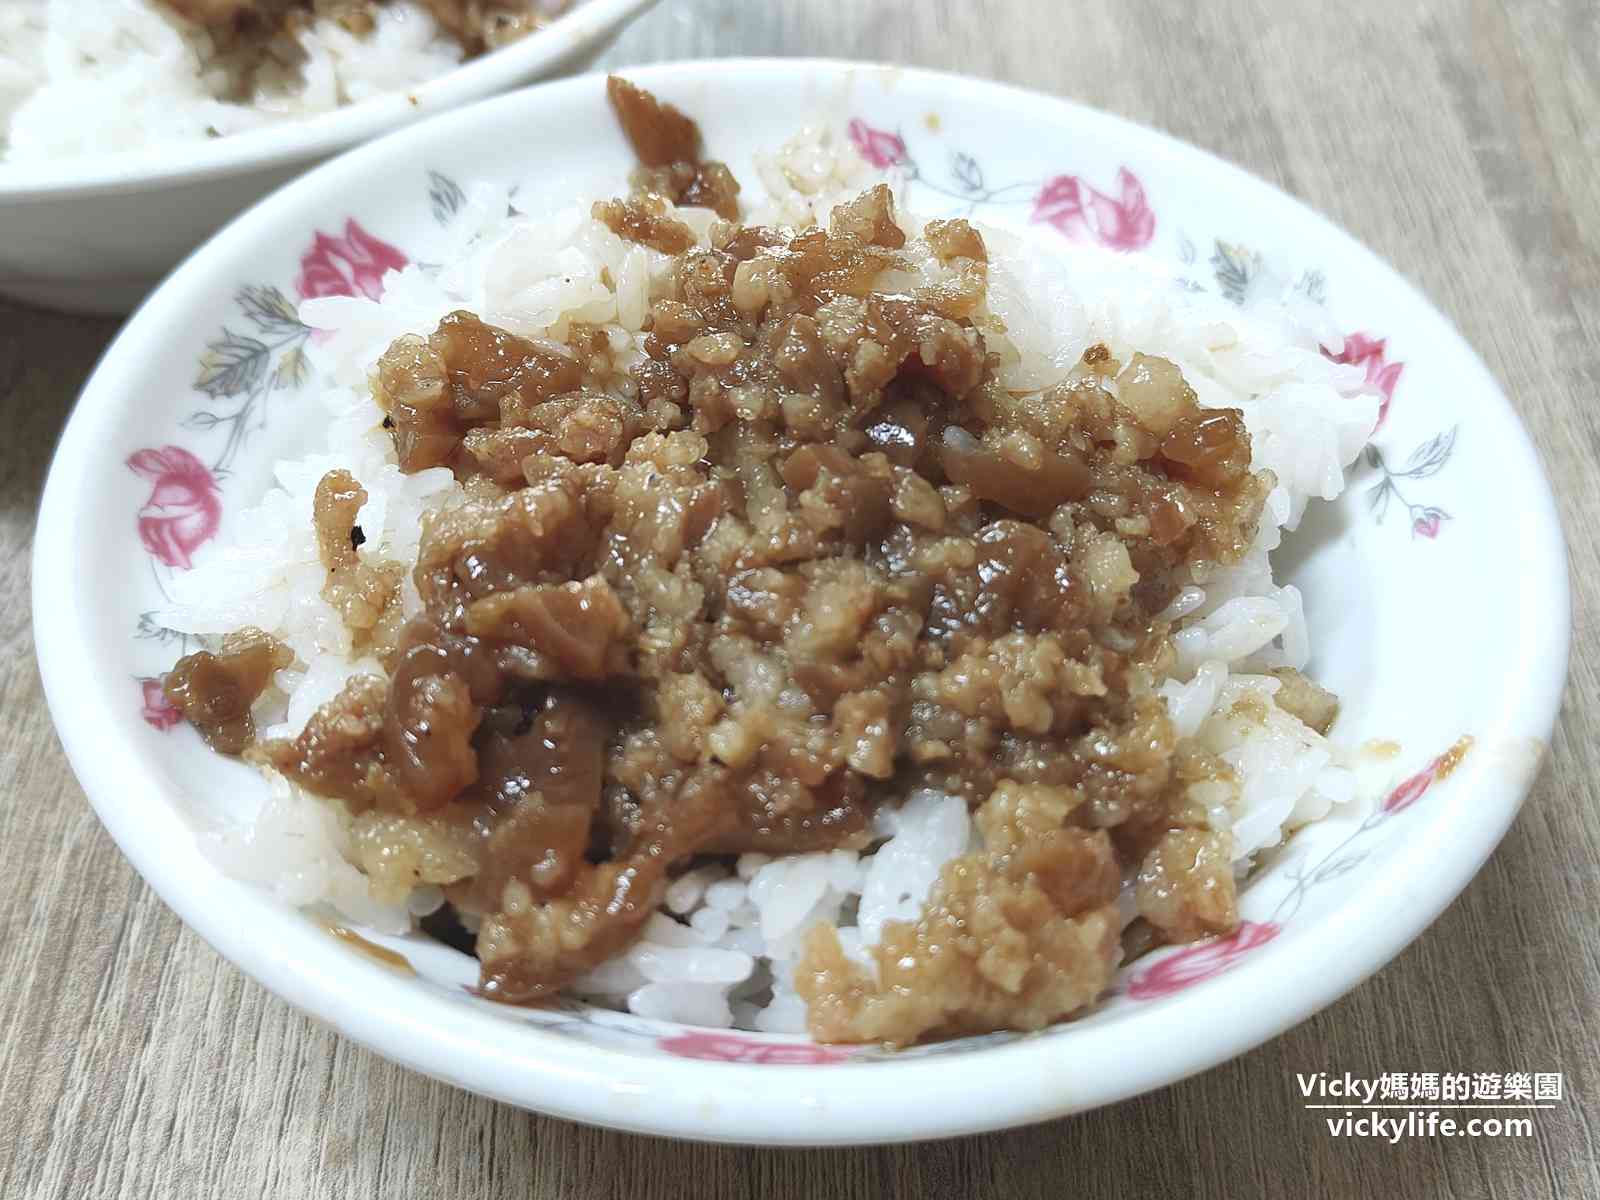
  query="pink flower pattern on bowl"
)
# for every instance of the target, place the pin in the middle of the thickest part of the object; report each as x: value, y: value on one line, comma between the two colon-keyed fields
x: 1085, y: 214
x: 1365, y: 351
x: 158, y: 712
x: 352, y: 265
x: 1406, y: 793
x: 240, y: 371
x: 1192, y: 964
x: 184, y: 508
x: 1425, y: 460
x: 878, y: 146
x: 727, y: 1047
x: 1123, y: 221
x: 1200, y: 961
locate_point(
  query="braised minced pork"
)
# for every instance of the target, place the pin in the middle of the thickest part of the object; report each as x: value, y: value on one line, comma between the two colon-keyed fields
x: 806, y: 556
x: 477, y: 24
x: 215, y: 691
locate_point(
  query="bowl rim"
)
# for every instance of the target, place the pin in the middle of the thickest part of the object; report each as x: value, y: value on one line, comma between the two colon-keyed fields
x: 846, y: 1103
x: 323, y: 133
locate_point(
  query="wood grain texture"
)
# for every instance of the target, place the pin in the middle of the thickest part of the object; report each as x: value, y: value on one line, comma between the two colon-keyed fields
x: 1458, y: 140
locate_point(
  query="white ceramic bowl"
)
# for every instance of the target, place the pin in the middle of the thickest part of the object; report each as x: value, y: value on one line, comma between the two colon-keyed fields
x: 1436, y: 592
x: 95, y: 234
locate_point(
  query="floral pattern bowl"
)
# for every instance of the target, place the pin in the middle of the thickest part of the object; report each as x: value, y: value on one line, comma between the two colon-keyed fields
x: 95, y: 234
x: 1435, y: 589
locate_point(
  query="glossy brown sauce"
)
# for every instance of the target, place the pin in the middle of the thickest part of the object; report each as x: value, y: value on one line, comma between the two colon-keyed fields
x: 1447, y: 762
x: 381, y: 955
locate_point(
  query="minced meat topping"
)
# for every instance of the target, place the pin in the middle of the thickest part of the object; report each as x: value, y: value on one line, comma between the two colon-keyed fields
x: 805, y: 556
x: 478, y: 25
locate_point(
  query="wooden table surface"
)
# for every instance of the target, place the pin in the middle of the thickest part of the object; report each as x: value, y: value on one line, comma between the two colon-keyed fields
x: 1457, y: 139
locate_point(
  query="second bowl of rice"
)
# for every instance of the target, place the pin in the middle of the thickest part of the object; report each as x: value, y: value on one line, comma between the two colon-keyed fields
x: 129, y: 132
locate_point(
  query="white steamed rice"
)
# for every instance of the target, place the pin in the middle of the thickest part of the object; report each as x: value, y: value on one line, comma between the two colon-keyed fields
x: 95, y: 76
x: 723, y: 950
